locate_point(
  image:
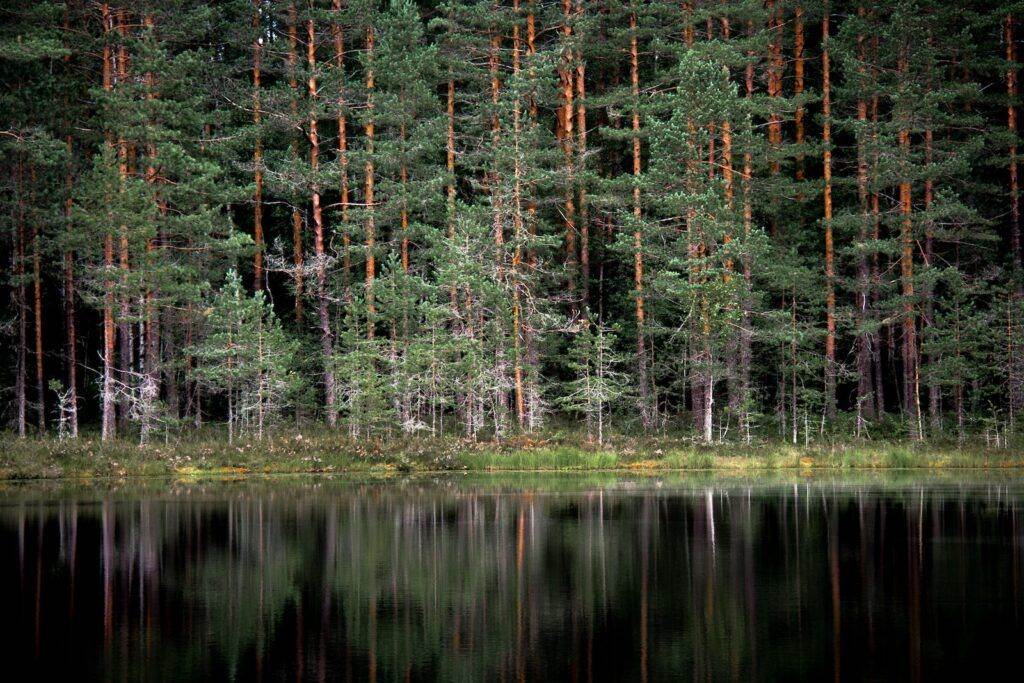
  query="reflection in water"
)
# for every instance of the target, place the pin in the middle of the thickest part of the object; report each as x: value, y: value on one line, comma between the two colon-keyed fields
x: 512, y: 579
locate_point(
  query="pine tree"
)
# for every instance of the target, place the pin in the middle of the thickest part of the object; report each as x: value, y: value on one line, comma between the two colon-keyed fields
x: 247, y: 357
x: 596, y: 385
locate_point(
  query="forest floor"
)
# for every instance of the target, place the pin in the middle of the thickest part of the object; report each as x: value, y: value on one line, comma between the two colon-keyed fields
x: 331, y: 452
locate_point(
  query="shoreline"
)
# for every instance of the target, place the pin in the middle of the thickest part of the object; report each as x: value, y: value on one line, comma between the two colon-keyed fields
x: 87, y: 458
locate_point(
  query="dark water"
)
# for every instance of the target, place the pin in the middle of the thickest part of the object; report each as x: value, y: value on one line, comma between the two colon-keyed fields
x: 513, y: 578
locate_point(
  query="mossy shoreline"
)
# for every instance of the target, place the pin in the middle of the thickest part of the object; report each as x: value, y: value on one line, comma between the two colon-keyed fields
x: 327, y: 452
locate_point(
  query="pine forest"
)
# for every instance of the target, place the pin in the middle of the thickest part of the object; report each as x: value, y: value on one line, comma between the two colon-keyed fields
x: 725, y: 220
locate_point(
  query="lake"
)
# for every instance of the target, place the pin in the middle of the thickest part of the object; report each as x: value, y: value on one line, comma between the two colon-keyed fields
x: 514, y: 577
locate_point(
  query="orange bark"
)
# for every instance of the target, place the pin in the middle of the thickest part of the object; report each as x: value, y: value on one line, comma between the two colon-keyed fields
x: 638, y: 257
x: 108, y: 430
x: 581, y: 151
x: 565, y: 134
x: 339, y: 65
x: 371, y: 237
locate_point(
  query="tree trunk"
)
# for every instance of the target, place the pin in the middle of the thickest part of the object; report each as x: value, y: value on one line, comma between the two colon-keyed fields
x: 1011, y: 122
x: 799, y: 115
x: 876, y: 234
x: 323, y: 313
x: 71, y: 333
x: 37, y: 310
x: 865, y: 400
x: 830, y: 268
x: 293, y: 84
x: 257, y: 154
x: 517, y: 238
x: 338, y: 36
x: 124, y: 333
x: 21, y: 374
x: 1016, y: 360
x: 532, y: 388
x: 775, y: 66
x: 581, y: 152
x: 934, y: 394
x: 494, y: 68
x: 450, y: 167
x: 368, y: 130
x: 732, y: 346
x: 909, y: 348
x: 565, y: 134
x: 109, y: 427
x: 150, y: 389
x: 646, y: 417
x: 746, y: 334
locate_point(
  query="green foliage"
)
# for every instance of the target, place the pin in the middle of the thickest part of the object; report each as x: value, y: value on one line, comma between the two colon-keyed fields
x: 495, y: 282
x: 247, y: 357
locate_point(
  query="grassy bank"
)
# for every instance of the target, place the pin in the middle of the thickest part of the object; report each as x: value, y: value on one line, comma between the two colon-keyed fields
x: 331, y: 452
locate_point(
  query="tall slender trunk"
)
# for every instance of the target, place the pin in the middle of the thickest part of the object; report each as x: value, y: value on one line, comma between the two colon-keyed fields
x: 927, y: 292
x: 1011, y: 123
x: 958, y: 391
x: 688, y: 32
x: 124, y: 333
x: 646, y: 417
x: 775, y: 66
x: 458, y: 322
x: 403, y: 174
x: 70, y: 330
x: 565, y: 134
x: 406, y: 397
x: 21, y: 373
x: 494, y: 70
x: 792, y: 363
x: 876, y: 235
x: 799, y: 63
x: 150, y: 389
x: 865, y: 402
x: 830, y: 267
x: 323, y: 313
x: 298, y: 257
x: 733, y: 383
x: 109, y: 426
x: 700, y: 355
x: 257, y: 153
x: 37, y: 311
x: 371, y: 237
x: 1016, y: 360
x: 746, y: 331
x: 450, y: 167
x: 581, y: 153
x: 517, y: 236
x: 532, y: 388
x: 338, y: 36
x: 909, y: 348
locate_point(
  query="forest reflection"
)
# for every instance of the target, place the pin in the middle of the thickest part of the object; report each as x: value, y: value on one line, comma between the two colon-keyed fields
x: 513, y: 579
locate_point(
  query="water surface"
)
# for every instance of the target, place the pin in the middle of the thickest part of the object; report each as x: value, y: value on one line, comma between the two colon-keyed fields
x: 511, y: 577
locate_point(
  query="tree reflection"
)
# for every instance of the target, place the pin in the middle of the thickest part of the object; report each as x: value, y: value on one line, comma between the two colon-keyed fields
x: 513, y: 579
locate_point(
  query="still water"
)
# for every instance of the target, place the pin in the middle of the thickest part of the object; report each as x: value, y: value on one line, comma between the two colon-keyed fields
x: 513, y: 578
